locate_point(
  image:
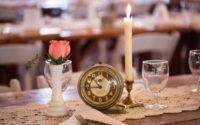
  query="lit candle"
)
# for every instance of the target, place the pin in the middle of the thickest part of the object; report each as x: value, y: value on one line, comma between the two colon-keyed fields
x: 128, y: 45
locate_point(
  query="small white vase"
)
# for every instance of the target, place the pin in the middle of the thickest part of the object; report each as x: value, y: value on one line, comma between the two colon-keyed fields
x: 57, y: 106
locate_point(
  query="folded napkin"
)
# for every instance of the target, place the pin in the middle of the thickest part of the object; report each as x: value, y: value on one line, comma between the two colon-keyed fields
x: 89, y: 113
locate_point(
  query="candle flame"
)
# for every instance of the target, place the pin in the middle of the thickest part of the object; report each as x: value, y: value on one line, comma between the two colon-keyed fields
x: 128, y: 11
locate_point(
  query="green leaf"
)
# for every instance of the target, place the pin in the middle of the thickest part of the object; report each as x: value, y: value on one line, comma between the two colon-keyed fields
x: 36, y: 56
x: 53, y: 63
x: 59, y: 60
x: 29, y: 62
x: 33, y: 61
x: 50, y: 57
x: 66, y: 58
x: 42, y: 59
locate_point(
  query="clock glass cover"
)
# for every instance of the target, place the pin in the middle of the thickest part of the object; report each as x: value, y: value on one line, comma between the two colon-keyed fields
x: 100, y: 86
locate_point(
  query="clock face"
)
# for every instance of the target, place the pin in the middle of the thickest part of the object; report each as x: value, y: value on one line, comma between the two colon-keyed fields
x: 100, y: 86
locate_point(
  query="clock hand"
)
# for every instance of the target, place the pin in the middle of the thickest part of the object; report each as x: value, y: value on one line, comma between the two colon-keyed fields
x: 98, y: 84
x: 102, y: 76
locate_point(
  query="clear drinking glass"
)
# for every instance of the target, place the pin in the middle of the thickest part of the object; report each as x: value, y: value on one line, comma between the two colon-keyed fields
x: 194, y: 65
x: 155, y: 74
x: 66, y: 74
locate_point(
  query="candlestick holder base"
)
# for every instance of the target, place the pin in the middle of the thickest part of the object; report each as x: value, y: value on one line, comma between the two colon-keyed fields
x: 129, y: 102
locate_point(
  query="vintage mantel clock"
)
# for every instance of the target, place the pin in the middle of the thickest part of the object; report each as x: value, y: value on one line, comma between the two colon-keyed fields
x: 100, y: 86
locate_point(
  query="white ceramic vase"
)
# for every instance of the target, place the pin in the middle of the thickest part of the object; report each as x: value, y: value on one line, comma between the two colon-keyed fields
x: 57, y: 107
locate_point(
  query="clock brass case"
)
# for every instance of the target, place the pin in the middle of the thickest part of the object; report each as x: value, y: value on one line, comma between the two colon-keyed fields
x: 100, y: 86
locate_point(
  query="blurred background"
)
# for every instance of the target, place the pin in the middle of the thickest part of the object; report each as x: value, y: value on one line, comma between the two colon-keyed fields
x: 162, y: 29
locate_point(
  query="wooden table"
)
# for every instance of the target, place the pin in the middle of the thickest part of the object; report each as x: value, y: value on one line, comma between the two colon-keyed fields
x: 44, y: 95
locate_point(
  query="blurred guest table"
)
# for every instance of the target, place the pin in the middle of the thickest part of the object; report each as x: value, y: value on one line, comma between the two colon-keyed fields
x: 75, y: 30
x: 44, y: 96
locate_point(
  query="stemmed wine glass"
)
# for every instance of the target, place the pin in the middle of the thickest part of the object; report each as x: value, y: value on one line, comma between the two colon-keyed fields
x: 194, y: 65
x: 155, y: 74
x: 66, y: 74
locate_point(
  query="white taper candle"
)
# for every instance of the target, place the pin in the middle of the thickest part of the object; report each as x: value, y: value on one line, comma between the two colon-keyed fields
x: 128, y: 45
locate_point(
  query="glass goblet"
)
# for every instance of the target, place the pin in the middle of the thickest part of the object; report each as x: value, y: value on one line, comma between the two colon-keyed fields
x: 155, y: 74
x: 194, y: 65
x: 66, y: 74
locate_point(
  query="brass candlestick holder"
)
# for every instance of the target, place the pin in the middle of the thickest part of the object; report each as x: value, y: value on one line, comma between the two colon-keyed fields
x: 129, y: 102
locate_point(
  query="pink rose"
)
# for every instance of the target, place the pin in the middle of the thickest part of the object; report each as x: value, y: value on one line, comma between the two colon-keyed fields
x: 59, y: 48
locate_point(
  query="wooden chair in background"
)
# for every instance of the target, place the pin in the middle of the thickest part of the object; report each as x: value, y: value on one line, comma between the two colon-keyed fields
x: 14, y: 86
x: 20, y: 54
x: 161, y: 45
